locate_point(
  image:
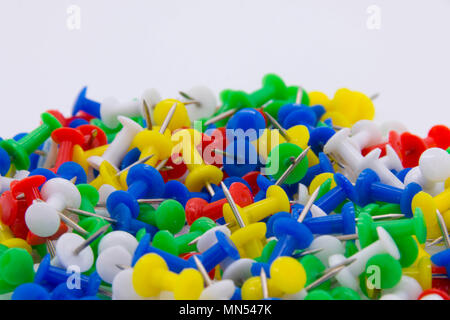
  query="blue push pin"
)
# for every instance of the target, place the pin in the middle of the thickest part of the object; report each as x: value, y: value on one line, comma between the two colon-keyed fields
x: 319, y: 137
x: 272, y: 219
x: 75, y: 123
x: 292, y: 235
x: 144, y: 182
x: 121, y: 207
x: 247, y: 120
x: 442, y: 259
x: 332, y: 199
x: 323, y: 166
x: 70, y: 170
x: 175, y: 264
x: 300, y: 116
x: 62, y: 292
x: 402, y: 174
x: 5, y: 162
x: 30, y: 291
x: 176, y: 190
x: 221, y: 250
x: 370, y: 189
x: 87, y: 105
x: 54, y: 275
x: 240, y: 158
x: 344, y: 223
x: 131, y: 157
x: 67, y: 170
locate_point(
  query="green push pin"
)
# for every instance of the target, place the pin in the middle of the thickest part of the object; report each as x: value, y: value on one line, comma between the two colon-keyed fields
x: 383, y: 271
x: 448, y: 150
x: 409, y: 250
x: 350, y: 248
x: 298, y: 97
x: 89, y: 198
x: 397, y: 228
x: 273, y: 88
x: 92, y: 225
x: 344, y: 293
x: 387, y: 208
x: 324, y: 188
x: 20, y: 151
x: 273, y: 107
x: 289, y: 161
x: 147, y: 214
x: 140, y: 234
x: 16, y: 267
x: 267, y: 251
x: 314, y: 269
x: 165, y: 240
x: 318, y: 294
x: 110, y: 133
x: 170, y: 216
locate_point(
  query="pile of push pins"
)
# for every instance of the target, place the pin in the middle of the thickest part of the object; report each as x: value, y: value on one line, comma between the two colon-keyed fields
x: 275, y: 194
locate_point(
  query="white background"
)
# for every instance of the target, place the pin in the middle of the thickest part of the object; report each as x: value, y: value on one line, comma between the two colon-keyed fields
x: 126, y: 46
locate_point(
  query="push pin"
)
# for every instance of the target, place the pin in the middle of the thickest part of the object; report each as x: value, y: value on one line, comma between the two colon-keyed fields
x: 291, y: 168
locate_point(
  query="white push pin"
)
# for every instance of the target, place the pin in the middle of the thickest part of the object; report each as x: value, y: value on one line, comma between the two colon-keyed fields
x: 239, y: 271
x: 68, y: 256
x: 118, y: 238
x: 389, y: 126
x: 365, y: 133
x: 119, y: 147
x: 407, y: 289
x: 111, y: 108
x: 208, y: 239
x: 108, y: 259
x: 433, y: 170
x: 122, y: 286
x: 219, y: 290
x: 43, y: 218
x: 391, y: 160
x: 204, y: 102
x: 344, y: 151
x: 348, y: 277
x: 330, y: 245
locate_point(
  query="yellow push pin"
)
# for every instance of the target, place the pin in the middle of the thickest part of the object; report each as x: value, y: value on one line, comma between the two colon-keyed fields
x: 151, y: 276
x: 421, y: 271
x: 81, y: 157
x: 200, y: 174
x: 253, y: 289
x: 107, y: 175
x: 288, y: 274
x: 180, y: 118
x: 276, y: 201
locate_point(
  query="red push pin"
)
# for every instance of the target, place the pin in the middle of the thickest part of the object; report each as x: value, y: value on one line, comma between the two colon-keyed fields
x: 250, y: 178
x: 80, y: 115
x: 34, y: 240
x: 28, y: 188
x: 197, y: 207
x: 10, y: 207
x: 211, y: 146
x: 67, y: 138
x: 93, y: 136
x: 413, y: 146
x: 177, y: 167
x: 59, y: 116
x: 433, y: 294
x: 393, y: 141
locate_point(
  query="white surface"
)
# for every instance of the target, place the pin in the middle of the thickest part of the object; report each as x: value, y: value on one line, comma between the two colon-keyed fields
x: 124, y: 47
